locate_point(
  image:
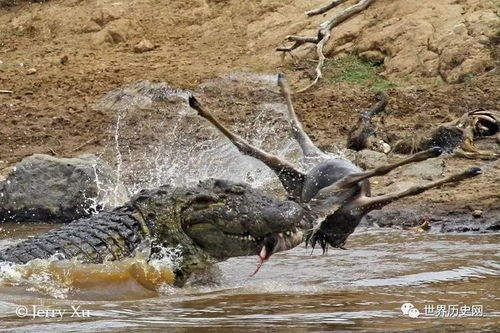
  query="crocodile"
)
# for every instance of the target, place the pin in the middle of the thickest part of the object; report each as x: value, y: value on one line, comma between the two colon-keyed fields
x: 210, y: 222
x: 219, y: 219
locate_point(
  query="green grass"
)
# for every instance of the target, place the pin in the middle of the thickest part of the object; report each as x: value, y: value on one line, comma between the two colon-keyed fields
x: 438, y: 81
x: 351, y: 69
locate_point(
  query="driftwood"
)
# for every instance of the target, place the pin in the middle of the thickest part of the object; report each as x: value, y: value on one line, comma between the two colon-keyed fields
x: 324, y: 33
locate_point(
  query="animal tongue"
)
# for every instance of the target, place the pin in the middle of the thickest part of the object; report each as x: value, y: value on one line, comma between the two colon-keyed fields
x: 263, y: 256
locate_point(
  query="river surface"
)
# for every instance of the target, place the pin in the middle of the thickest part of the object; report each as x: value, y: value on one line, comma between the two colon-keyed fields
x: 451, y: 279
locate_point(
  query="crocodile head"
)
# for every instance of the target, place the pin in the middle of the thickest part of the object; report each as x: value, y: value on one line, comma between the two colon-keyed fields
x: 217, y: 219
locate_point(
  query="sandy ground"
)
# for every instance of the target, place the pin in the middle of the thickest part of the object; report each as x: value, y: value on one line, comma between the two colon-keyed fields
x: 59, y: 58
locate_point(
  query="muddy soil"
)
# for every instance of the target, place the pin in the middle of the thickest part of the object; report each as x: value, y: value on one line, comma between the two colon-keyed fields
x: 60, y: 58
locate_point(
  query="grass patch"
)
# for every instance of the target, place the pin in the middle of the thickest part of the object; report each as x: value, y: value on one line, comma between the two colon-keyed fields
x: 351, y: 69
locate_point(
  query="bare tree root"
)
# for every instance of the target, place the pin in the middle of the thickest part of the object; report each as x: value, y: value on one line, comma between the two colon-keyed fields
x: 324, y: 33
x: 326, y: 8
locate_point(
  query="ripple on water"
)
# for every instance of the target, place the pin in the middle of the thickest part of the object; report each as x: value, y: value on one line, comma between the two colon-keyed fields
x: 362, y: 286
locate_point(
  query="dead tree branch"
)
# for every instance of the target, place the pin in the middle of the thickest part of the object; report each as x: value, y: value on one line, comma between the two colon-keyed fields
x: 323, y: 36
x: 324, y: 32
x: 299, y: 40
x: 326, y: 8
x: 346, y: 14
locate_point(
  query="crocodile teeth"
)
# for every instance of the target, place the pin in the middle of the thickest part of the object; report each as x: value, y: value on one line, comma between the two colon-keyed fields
x: 242, y: 238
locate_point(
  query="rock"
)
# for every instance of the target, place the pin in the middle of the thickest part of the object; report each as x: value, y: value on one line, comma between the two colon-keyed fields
x: 118, y: 31
x: 425, y: 226
x: 477, y: 213
x: 103, y: 16
x: 50, y: 189
x: 495, y: 226
x: 31, y: 71
x: 369, y: 159
x: 374, y: 56
x: 91, y: 26
x: 7, y: 3
x: 442, y: 218
x: 485, y: 40
x: 429, y: 169
x: 143, y: 46
x: 469, y: 68
x: 405, y: 218
x: 423, y: 38
x: 64, y: 60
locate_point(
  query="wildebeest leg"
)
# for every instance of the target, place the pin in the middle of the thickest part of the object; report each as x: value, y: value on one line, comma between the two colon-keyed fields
x: 355, y: 178
x: 308, y: 148
x: 367, y: 204
x: 335, y: 228
x: 291, y: 178
x: 481, y: 154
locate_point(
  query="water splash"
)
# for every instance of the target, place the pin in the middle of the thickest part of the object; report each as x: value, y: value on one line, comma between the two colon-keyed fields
x: 159, y: 140
x: 35, y: 277
x: 119, y: 160
x: 141, y: 275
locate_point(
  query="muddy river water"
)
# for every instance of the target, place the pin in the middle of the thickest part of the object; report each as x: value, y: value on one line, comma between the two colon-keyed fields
x: 451, y: 279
